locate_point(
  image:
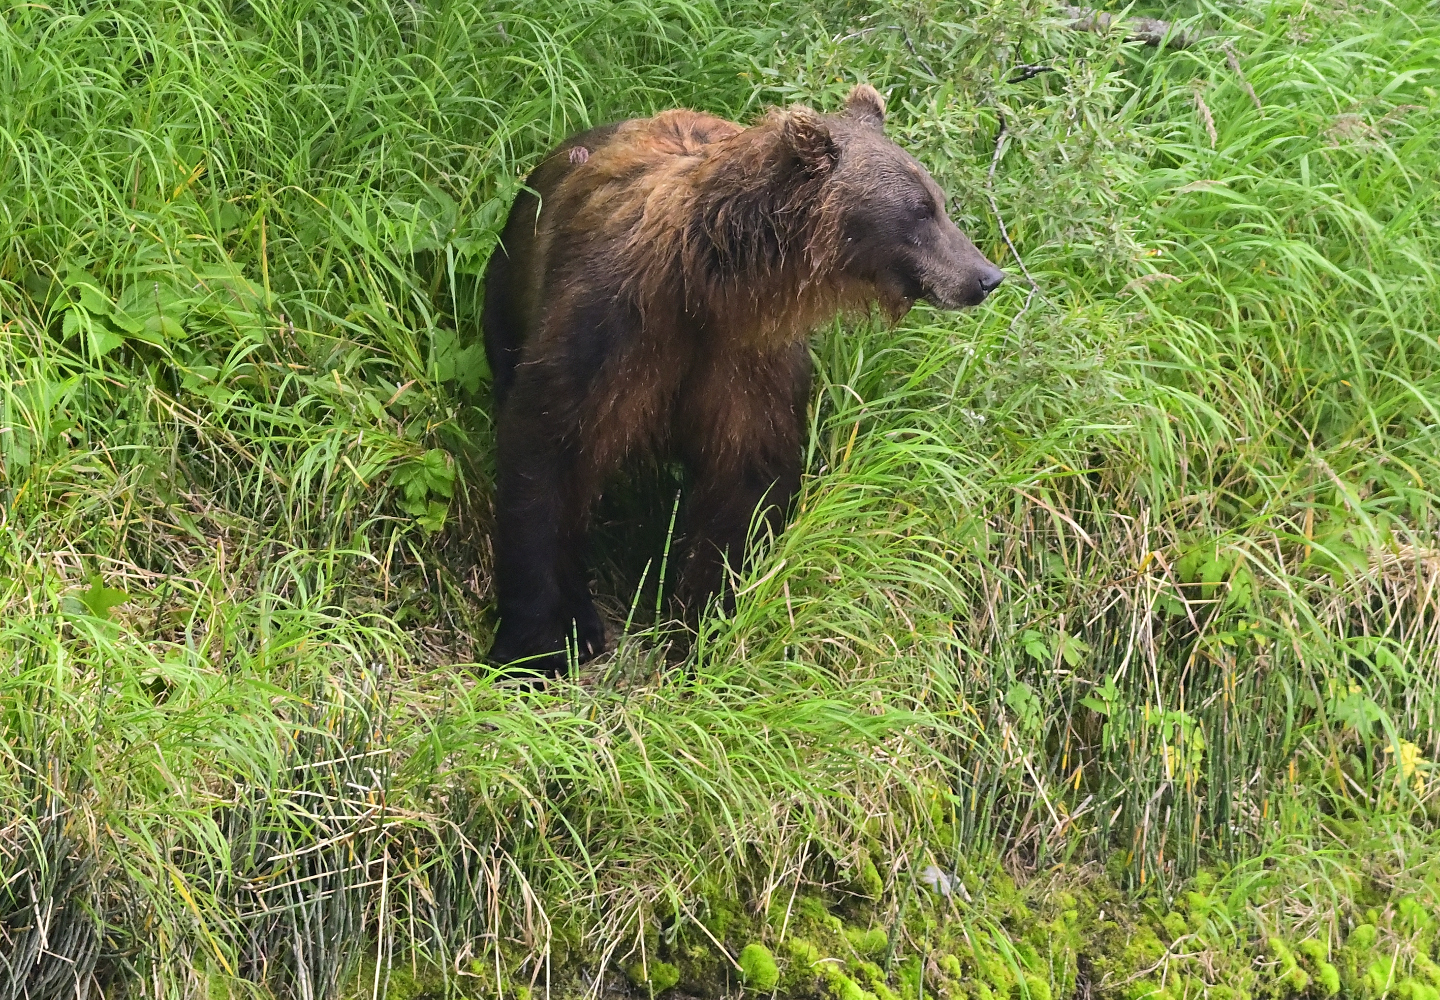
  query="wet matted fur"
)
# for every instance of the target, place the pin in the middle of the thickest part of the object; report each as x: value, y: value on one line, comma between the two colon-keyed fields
x: 651, y: 297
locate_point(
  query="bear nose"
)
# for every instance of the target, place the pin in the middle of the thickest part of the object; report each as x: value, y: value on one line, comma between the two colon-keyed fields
x: 991, y: 281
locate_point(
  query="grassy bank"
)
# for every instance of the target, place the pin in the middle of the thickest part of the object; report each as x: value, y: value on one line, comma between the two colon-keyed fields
x: 1100, y: 657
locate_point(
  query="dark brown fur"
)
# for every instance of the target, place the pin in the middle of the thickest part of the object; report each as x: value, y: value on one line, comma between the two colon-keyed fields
x: 654, y: 300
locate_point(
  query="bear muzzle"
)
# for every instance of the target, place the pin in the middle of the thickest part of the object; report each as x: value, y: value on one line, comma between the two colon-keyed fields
x: 959, y: 275
x: 969, y: 288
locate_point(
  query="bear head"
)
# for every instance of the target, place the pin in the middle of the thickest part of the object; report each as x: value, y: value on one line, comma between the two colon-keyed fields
x: 888, y: 226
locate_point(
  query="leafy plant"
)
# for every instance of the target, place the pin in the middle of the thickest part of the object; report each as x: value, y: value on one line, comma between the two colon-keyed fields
x: 427, y: 485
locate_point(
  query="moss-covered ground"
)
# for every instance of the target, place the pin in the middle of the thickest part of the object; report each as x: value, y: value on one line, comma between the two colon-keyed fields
x: 1069, y: 932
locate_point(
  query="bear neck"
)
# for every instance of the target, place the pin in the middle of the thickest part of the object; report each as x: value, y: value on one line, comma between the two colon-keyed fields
x: 758, y: 245
x: 770, y: 242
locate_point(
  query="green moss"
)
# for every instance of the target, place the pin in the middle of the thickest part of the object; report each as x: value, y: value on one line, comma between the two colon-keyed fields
x: 842, y: 987
x: 1007, y: 959
x: 1379, y: 975
x: 811, y: 908
x: 871, y: 975
x: 1175, y: 925
x: 996, y: 973
x: 1290, y: 977
x: 1427, y: 969
x: 1144, y: 949
x: 802, y: 969
x: 869, y: 943
x: 722, y: 916
x: 910, y: 976
x: 812, y: 914
x: 1325, y: 976
x: 400, y: 983
x: 1410, y: 916
x: 1195, y: 902
x: 1362, y: 938
x: 937, y: 809
x: 868, y: 881
x: 1296, y: 979
x: 217, y: 985
x: 758, y: 967
x: 662, y: 975
x: 1002, y: 886
x: 867, y: 972
x: 1117, y: 866
x: 1146, y: 989
x: 803, y: 952
x: 779, y: 910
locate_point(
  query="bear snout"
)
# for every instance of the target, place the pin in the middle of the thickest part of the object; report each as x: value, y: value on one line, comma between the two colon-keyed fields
x: 991, y: 281
x: 959, y: 275
x: 966, y: 289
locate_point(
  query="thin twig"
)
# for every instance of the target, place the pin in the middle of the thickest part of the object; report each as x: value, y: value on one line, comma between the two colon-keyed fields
x: 918, y: 57
x: 380, y: 921
x: 891, y: 27
x: 1028, y: 71
x: 1039, y: 786
x: 994, y: 207
x: 1016, y: 318
x: 716, y: 941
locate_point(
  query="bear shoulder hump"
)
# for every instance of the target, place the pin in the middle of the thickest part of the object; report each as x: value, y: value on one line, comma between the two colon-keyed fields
x: 681, y: 131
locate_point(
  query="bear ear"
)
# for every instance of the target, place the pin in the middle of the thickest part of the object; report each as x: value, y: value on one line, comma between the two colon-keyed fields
x: 810, y: 138
x: 865, y: 104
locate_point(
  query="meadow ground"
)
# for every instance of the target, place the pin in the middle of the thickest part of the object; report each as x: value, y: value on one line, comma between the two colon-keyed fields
x: 1100, y: 658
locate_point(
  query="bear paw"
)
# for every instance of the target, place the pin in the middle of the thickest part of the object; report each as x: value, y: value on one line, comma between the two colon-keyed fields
x: 544, y: 647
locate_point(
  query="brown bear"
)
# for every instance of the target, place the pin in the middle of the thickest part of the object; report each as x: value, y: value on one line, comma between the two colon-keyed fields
x: 651, y: 295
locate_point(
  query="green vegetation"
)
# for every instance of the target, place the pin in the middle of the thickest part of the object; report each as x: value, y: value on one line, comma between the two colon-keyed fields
x: 758, y: 968
x: 1101, y: 656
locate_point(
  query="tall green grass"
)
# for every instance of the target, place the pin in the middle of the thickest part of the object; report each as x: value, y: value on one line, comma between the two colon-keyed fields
x: 1134, y: 569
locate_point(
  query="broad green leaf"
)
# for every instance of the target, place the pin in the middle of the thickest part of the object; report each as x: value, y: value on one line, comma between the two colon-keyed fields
x: 1074, y: 650
x: 103, y: 340
x: 93, y: 300
x: 434, y: 517
x: 99, y: 599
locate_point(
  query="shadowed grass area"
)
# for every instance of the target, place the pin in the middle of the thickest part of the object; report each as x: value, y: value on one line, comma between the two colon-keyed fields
x: 1100, y: 657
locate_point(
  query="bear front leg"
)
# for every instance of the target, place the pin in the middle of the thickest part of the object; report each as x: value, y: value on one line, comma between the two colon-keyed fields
x: 725, y: 501
x: 741, y: 431
x: 546, y: 613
